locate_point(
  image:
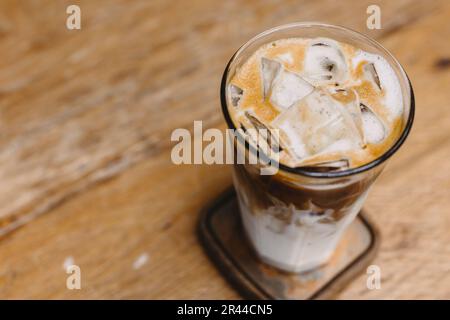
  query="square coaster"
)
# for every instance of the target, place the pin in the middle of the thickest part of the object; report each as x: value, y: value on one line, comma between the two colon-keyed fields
x: 224, y: 240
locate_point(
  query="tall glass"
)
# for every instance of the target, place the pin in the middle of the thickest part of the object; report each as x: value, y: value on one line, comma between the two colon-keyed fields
x: 295, y: 218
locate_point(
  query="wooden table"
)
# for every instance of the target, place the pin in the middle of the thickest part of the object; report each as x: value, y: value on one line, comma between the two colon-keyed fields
x: 86, y: 118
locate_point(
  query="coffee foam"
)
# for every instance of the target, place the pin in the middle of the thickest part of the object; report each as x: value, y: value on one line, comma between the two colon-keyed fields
x: 393, y: 101
x: 386, y: 104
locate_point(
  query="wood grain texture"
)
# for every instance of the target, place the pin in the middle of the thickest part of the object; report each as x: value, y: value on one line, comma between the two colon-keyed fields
x: 86, y: 118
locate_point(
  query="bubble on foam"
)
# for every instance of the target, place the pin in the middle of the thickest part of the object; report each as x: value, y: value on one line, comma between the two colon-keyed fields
x: 390, y: 84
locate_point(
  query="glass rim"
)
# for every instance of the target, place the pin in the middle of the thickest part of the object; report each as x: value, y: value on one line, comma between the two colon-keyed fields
x: 316, y: 174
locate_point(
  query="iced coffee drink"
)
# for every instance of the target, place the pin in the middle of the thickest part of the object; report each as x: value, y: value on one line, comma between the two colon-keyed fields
x: 339, y: 105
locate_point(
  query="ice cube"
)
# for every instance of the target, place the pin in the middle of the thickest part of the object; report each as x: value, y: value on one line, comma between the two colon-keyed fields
x: 388, y: 81
x: 267, y: 133
x: 371, y: 72
x: 324, y: 62
x: 350, y: 99
x: 269, y: 70
x: 374, y: 129
x: 235, y: 94
x: 317, y: 124
x: 284, y: 87
x: 290, y: 136
x: 288, y: 88
x: 327, y: 166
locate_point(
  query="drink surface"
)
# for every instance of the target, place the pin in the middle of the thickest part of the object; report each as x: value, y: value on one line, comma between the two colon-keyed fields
x: 331, y: 105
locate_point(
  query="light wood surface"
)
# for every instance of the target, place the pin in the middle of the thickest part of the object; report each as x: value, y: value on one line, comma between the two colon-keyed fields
x: 86, y: 117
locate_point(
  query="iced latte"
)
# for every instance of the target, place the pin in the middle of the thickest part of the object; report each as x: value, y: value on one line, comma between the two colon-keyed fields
x: 339, y: 105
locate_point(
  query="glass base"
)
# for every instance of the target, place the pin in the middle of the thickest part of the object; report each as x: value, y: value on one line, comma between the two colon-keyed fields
x: 225, y: 241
